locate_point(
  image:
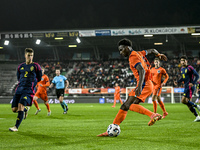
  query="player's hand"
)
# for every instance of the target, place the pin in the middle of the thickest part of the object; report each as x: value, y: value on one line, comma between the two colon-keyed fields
x: 175, y: 82
x: 138, y: 91
x: 162, y: 84
x: 162, y: 57
x: 191, y: 85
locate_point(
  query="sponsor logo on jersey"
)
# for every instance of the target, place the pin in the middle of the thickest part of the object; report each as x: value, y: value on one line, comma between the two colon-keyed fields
x: 185, y: 70
x: 42, y: 79
x: 25, y: 97
x: 158, y: 71
x: 22, y: 68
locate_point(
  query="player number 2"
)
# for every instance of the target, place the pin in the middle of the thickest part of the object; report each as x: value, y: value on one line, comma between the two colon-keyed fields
x: 26, y: 72
x: 183, y: 76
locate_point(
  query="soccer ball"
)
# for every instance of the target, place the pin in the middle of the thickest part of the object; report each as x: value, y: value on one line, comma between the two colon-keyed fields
x: 113, y: 130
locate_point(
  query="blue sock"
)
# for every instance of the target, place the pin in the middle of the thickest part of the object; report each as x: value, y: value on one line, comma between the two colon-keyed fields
x: 193, y: 110
x: 19, y: 118
x: 191, y: 104
x: 63, y: 106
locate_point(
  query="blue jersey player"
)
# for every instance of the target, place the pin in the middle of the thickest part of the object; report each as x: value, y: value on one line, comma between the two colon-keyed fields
x: 189, y: 77
x: 61, y: 84
x: 198, y: 90
x: 28, y: 74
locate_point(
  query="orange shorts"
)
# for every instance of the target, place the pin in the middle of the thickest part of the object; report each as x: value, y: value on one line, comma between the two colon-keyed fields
x: 117, y: 97
x: 42, y: 95
x: 146, y: 91
x: 157, y: 91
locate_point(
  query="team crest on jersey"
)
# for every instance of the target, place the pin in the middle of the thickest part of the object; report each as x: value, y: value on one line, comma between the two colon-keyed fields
x: 22, y: 68
x: 25, y: 97
x: 185, y: 70
x: 158, y: 71
x: 32, y: 68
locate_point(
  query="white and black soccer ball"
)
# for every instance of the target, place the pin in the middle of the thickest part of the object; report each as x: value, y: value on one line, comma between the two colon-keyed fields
x: 113, y: 130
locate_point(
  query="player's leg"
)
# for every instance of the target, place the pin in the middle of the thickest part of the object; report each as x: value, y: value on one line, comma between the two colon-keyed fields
x: 120, y: 100
x: 162, y: 106
x: 146, y: 92
x: 35, y: 98
x: 63, y: 104
x: 24, y: 100
x: 14, y: 107
x: 188, y: 94
x: 191, y: 107
x: 121, y: 115
x: 114, y: 101
x: 154, y: 98
x: 132, y: 103
x: 44, y: 97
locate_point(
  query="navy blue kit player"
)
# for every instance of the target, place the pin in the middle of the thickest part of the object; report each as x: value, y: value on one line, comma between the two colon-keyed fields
x: 28, y: 74
x: 188, y: 73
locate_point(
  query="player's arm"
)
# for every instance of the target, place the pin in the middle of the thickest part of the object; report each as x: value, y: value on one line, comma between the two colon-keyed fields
x: 154, y: 51
x: 67, y: 84
x: 141, y: 71
x: 196, y: 78
x: 166, y: 78
x: 179, y: 81
x: 38, y: 72
x: 52, y: 83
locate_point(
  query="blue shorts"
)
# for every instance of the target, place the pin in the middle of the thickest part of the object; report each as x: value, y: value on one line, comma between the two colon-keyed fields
x: 24, y: 99
x: 188, y: 92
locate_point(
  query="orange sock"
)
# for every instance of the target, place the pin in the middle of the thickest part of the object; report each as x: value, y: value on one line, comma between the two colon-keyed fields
x: 140, y: 109
x: 48, y: 107
x: 120, y: 101
x: 155, y: 106
x: 121, y: 115
x: 162, y: 106
x: 36, y: 104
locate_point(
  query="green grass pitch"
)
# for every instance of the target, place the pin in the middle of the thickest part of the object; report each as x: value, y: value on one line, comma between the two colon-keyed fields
x: 78, y: 129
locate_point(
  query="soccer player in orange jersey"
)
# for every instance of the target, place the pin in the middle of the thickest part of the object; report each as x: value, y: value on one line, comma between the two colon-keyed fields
x: 140, y: 68
x: 117, y: 94
x: 157, y: 73
x: 42, y: 93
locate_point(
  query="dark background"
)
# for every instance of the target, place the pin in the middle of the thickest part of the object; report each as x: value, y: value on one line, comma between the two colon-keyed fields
x: 22, y: 15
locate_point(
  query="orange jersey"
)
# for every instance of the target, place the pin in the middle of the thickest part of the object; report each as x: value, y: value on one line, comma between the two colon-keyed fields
x: 157, y: 74
x: 135, y: 58
x: 117, y: 90
x: 44, y: 82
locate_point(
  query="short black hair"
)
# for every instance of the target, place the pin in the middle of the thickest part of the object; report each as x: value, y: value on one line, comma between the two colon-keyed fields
x: 29, y: 50
x: 125, y: 42
x: 157, y: 59
x: 57, y: 68
x: 184, y: 57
